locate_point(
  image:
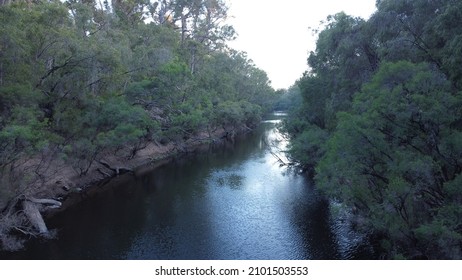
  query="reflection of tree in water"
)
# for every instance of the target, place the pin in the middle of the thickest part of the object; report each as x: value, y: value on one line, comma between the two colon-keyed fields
x: 276, y: 143
x: 232, y: 180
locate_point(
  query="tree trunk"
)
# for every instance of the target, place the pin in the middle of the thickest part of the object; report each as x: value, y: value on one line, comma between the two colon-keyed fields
x: 33, y: 214
x: 46, y: 201
x: 116, y: 170
x: 184, y: 29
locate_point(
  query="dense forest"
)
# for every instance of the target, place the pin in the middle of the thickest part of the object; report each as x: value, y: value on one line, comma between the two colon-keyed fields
x: 81, y: 79
x: 380, y: 124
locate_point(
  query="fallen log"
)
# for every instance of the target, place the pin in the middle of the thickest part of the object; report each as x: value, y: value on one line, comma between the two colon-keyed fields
x: 35, y: 218
x: 46, y: 201
x: 117, y: 170
x: 105, y: 174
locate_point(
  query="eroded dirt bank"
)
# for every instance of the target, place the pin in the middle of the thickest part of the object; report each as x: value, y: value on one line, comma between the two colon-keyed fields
x: 60, y: 186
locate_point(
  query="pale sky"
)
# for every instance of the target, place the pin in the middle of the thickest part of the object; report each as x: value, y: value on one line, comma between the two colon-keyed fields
x: 276, y: 36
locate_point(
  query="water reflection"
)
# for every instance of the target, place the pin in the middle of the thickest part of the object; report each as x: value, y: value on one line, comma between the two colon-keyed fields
x: 232, y: 202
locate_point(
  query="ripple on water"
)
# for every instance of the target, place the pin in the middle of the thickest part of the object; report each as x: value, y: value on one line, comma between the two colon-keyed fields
x: 236, y: 202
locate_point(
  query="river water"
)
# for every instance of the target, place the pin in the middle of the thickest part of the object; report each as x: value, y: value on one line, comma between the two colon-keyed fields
x: 227, y: 201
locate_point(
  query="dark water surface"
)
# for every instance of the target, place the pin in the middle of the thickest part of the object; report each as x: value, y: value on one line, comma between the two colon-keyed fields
x: 232, y: 201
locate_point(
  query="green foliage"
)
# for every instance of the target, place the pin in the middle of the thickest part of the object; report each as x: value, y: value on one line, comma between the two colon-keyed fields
x: 288, y: 99
x: 309, y: 146
x: 102, y: 124
x: 385, y: 154
x: 82, y: 80
x: 380, y: 123
x: 237, y: 112
x: 187, y: 121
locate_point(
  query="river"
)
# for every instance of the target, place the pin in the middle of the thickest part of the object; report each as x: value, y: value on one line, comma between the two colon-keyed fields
x: 227, y: 201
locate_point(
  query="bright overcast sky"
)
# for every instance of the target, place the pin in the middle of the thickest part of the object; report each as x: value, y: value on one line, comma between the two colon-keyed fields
x: 276, y: 36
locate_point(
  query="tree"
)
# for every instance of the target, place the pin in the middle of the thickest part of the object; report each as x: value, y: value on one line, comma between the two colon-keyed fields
x: 130, y: 12
x: 82, y: 79
x: 386, y: 157
x: 380, y: 123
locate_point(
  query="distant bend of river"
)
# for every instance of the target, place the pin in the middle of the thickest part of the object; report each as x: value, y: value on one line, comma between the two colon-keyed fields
x: 229, y: 201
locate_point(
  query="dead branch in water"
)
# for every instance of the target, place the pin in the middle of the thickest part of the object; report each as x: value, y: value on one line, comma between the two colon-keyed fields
x: 270, y: 148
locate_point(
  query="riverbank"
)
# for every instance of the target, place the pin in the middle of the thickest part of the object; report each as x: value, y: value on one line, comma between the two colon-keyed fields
x: 232, y: 200
x: 60, y: 186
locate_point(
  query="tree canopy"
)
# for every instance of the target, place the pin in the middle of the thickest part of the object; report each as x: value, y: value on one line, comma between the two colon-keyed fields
x: 380, y: 123
x: 83, y: 77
